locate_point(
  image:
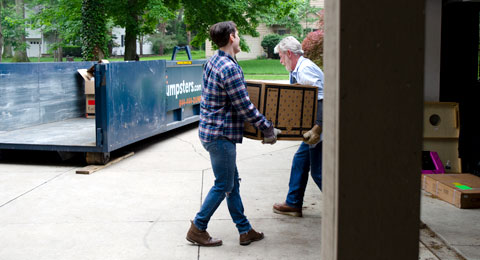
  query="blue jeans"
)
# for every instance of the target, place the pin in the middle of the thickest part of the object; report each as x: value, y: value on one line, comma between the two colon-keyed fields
x: 223, y: 154
x: 306, y: 159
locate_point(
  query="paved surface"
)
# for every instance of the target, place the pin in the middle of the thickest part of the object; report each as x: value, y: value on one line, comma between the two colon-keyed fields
x: 140, y: 207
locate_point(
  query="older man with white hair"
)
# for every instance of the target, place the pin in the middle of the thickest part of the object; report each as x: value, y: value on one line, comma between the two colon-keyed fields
x: 309, y: 155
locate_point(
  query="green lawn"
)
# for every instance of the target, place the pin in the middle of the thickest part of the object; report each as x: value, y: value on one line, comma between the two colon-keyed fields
x: 263, y: 67
x: 180, y: 56
x: 253, y: 69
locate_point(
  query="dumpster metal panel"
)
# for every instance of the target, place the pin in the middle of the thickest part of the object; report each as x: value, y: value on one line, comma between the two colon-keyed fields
x: 132, y: 102
x: 37, y: 93
x: 44, y: 104
x: 183, y: 88
x: 134, y: 108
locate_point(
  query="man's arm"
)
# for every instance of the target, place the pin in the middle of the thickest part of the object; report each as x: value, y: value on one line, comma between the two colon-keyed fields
x: 236, y: 90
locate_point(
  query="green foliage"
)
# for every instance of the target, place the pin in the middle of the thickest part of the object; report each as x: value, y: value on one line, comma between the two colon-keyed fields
x: 13, y: 27
x: 162, y: 43
x: 313, y: 44
x: 247, y: 14
x: 60, y: 17
x: 139, y: 17
x: 269, y: 42
x: 94, y: 31
x: 299, y: 13
x: 72, y: 51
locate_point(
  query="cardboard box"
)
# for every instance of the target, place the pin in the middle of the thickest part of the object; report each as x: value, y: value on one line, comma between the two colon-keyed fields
x: 447, y: 150
x: 89, y: 77
x: 90, y: 106
x: 291, y: 108
x: 89, y: 80
x: 460, y: 190
x: 441, y: 120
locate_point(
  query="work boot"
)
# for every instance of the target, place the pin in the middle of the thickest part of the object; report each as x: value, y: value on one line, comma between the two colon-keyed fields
x: 250, y: 236
x: 284, y: 209
x: 201, y: 238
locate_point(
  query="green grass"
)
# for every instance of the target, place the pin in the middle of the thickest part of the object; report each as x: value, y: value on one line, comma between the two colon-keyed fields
x: 266, y: 77
x: 260, y: 69
x: 263, y: 67
x: 196, y: 55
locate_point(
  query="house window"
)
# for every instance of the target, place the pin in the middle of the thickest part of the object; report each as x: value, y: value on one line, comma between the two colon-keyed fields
x: 122, y: 40
x: 281, y: 32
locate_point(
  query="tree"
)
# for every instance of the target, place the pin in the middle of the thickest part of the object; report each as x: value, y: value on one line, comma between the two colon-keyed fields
x: 94, y: 31
x: 139, y: 17
x: 299, y: 13
x: 269, y: 42
x: 313, y: 44
x: 1, y: 34
x: 20, y: 46
x: 59, y: 18
x: 6, y: 13
x: 247, y: 14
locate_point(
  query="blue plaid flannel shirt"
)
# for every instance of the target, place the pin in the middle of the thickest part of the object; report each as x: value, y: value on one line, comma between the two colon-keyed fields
x: 225, y: 103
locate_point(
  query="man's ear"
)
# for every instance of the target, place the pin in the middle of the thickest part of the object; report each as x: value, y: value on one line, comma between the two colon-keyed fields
x: 232, y: 37
x: 289, y: 54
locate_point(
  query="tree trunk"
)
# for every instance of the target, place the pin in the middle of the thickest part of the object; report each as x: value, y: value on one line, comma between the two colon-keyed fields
x: 1, y: 35
x: 93, y: 30
x: 21, y: 50
x: 60, y: 54
x: 130, y: 44
x: 189, y: 39
x: 59, y: 50
x: 141, y: 44
x: 7, y: 51
x: 162, y: 28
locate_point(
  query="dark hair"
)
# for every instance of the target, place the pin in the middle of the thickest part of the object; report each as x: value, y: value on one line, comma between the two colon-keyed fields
x: 220, y: 32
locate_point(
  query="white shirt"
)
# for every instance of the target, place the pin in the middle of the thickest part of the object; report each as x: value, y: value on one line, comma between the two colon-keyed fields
x: 308, y: 73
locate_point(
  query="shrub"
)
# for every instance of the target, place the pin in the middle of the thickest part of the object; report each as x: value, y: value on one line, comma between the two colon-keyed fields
x: 313, y: 47
x: 73, y: 51
x: 162, y: 44
x: 269, y: 42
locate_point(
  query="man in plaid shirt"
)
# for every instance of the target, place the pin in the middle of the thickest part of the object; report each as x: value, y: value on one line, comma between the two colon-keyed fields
x: 224, y: 107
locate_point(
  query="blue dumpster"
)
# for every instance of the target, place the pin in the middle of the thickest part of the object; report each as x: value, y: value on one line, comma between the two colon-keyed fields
x: 42, y: 105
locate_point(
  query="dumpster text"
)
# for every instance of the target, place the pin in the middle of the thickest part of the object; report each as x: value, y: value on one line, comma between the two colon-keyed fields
x: 182, y: 88
x: 189, y: 101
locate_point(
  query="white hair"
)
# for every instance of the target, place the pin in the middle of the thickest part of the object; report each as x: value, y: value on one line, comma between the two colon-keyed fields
x: 289, y: 43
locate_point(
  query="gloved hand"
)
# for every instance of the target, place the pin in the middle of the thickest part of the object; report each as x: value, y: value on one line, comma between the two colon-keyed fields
x: 313, y: 135
x: 270, y: 135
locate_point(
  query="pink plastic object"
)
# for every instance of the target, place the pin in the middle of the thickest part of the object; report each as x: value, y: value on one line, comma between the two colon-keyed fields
x: 437, y: 163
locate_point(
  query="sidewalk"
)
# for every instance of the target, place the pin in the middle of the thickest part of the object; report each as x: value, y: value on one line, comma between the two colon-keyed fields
x: 140, y: 207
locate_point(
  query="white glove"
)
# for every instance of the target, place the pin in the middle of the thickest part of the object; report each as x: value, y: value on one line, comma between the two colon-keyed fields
x: 313, y: 135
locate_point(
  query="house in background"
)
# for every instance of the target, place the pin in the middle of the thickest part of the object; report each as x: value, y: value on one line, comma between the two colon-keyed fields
x: 255, y: 43
x: 119, y: 43
x: 40, y: 44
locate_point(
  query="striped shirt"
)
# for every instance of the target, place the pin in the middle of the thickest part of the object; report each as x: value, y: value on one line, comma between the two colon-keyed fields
x: 225, y: 103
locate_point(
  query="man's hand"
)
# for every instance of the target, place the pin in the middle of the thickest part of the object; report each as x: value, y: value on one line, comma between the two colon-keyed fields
x: 313, y: 135
x: 270, y: 135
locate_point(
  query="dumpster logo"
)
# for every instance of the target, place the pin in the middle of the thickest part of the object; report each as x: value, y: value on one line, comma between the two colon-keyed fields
x: 182, y: 88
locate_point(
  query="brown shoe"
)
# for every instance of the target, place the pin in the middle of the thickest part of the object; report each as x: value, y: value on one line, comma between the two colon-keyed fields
x: 201, y: 238
x: 284, y: 209
x: 250, y: 236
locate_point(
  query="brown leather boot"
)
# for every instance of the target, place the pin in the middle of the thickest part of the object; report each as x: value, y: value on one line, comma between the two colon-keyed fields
x: 250, y: 236
x: 284, y: 209
x: 201, y: 238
